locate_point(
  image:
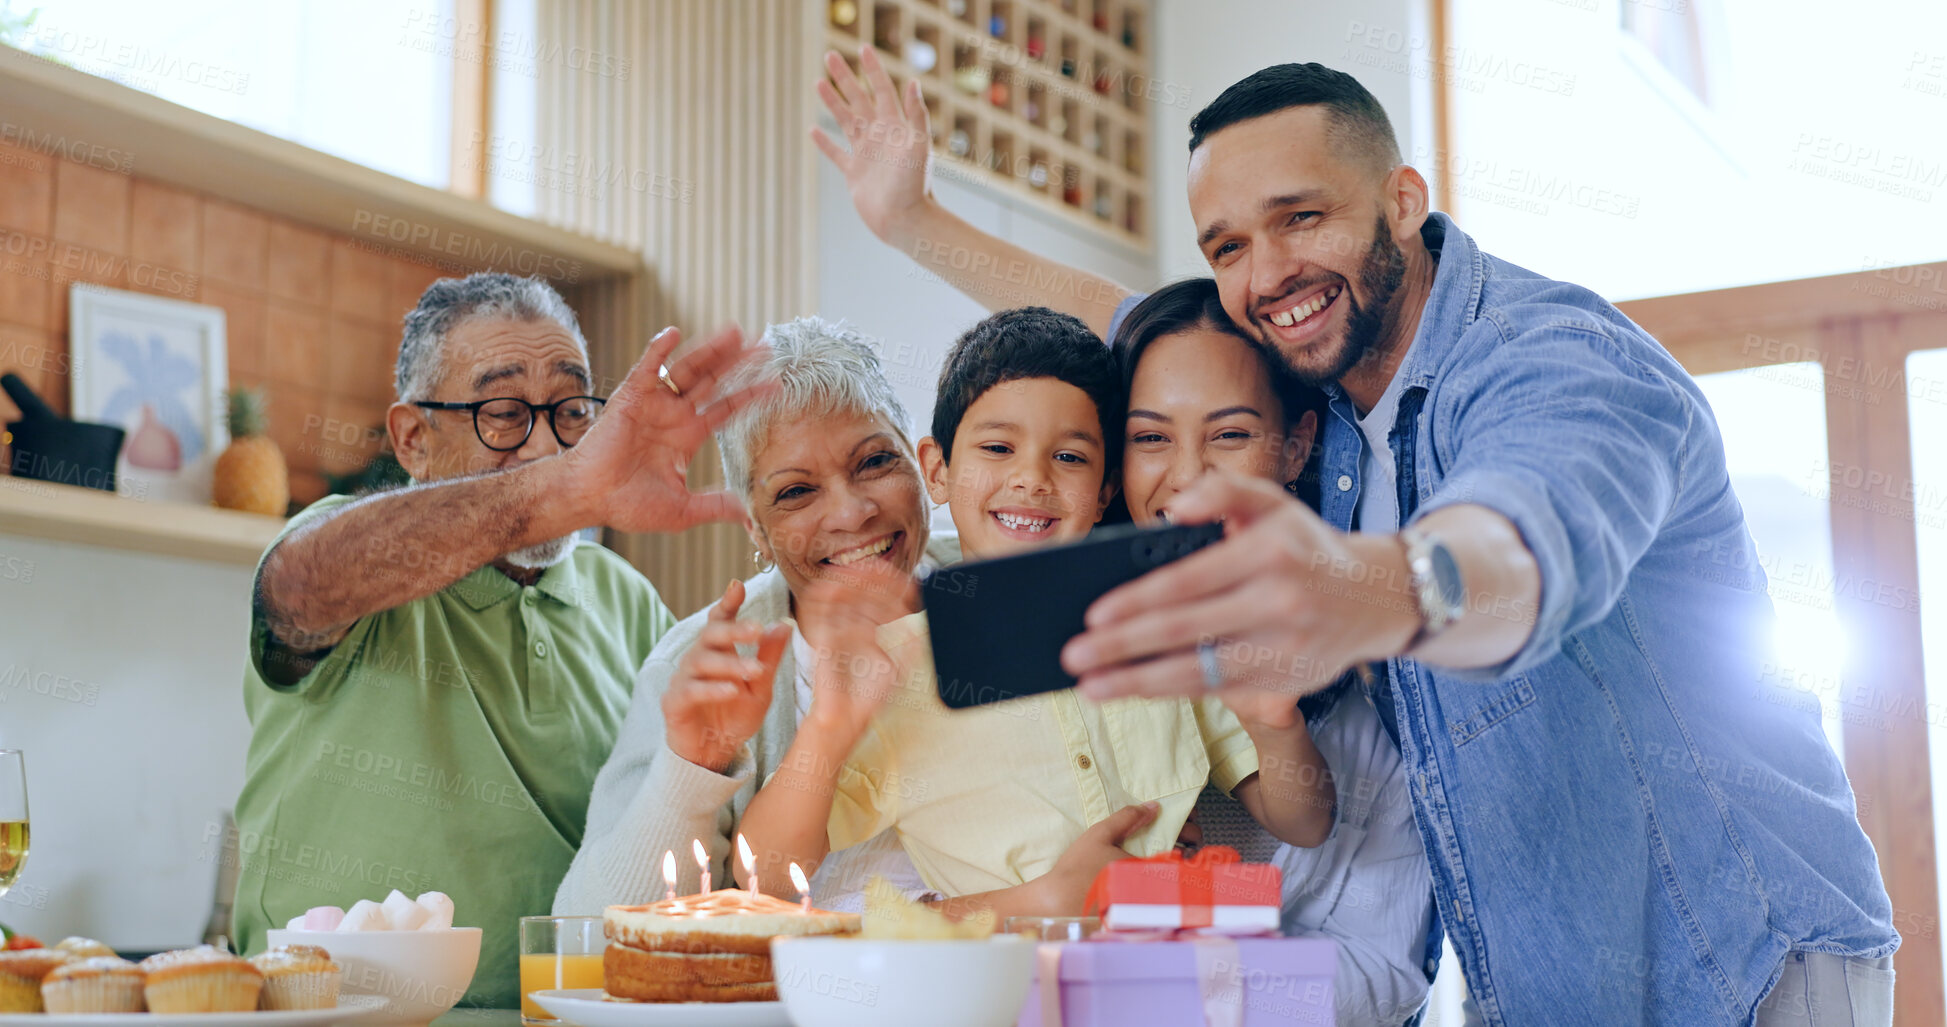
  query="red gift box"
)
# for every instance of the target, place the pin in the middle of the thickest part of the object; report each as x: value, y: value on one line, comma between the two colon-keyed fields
x: 1212, y: 891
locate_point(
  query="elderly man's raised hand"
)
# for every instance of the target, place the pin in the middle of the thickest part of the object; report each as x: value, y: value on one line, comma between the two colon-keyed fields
x: 887, y: 130
x: 628, y: 473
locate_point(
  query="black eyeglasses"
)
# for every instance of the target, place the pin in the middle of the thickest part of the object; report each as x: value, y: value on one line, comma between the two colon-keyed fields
x: 504, y: 424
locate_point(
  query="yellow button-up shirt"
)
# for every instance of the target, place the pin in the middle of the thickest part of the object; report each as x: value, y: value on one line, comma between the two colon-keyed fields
x: 990, y: 797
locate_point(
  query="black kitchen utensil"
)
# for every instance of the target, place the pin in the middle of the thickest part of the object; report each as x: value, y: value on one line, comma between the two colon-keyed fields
x: 49, y: 447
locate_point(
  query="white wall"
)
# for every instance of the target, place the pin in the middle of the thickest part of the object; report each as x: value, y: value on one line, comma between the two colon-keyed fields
x: 121, y: 675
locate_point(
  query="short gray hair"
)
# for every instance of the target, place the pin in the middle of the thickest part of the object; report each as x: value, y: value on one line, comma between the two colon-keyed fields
x: 452, y: 302
x: 821, y: 368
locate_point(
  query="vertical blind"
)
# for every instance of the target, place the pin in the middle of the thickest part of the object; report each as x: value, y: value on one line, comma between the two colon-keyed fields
x: 681, y: 128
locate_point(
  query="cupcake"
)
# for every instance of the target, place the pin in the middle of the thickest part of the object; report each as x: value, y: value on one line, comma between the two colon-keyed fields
x: 83, y: 948
x: 97, y: 984
x: 21, y: 973
x: 205, y: 979
x: 298, y: 977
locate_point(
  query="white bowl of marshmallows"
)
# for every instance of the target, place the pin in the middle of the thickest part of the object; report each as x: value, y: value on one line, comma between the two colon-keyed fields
x: 403, y: 950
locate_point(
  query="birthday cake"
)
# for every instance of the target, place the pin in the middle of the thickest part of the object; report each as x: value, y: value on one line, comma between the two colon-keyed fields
x: 704, y: 948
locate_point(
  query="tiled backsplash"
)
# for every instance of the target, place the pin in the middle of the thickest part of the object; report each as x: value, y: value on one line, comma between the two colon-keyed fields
x: 313, y: 317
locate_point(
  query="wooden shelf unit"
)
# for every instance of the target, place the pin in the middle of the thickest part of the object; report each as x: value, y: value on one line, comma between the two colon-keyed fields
x: 66, y: 513
x: 1045, y: 99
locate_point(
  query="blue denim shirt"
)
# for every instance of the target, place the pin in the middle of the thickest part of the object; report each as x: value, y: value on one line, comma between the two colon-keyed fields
x: 1634, y: 819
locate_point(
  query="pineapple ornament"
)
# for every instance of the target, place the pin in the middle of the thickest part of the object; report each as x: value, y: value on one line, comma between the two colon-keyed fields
x: 250, y: 475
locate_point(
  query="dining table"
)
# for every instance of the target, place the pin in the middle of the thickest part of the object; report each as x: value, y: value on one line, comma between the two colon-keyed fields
x: 479, y: 1018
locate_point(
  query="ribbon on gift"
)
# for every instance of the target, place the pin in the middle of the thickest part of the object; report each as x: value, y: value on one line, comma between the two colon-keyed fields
x: 1217, y: 968
x: 1047, y: 958
x: 1196, y: 889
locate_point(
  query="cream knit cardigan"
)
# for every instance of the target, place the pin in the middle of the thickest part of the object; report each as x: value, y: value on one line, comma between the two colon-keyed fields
x: 648, y: 800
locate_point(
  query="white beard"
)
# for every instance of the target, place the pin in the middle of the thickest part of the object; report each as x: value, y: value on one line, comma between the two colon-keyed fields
x: 543, y: 555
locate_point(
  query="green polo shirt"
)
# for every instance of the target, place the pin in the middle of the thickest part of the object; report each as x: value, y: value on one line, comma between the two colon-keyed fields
x: 445, y: 745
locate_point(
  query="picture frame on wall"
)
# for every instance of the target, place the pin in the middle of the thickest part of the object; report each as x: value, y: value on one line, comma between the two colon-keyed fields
x: 155, y: 368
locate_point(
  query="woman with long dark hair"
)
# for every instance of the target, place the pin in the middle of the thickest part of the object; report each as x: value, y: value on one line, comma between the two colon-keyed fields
x: 1203, y: 396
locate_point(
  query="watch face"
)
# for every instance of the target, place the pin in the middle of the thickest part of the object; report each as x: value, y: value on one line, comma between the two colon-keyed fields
x: 1446, y: 577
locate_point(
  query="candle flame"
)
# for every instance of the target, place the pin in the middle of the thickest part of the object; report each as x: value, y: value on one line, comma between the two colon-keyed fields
x: 743, y: 853
x: 702, y: 858
x: 669, y: 868
x: 798, y: 879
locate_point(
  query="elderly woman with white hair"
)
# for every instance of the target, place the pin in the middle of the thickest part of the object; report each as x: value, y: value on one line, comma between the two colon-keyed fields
x: 826, y: 470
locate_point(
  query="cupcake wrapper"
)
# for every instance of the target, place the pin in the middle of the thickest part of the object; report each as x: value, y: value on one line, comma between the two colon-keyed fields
x: 94, y: 995
x: 19, y: 994
x: 218, y: 991
x: 314, y: 989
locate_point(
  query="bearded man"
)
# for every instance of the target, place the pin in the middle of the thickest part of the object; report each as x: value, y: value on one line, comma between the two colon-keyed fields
x: 437, y: 672
x: 1527, y: 537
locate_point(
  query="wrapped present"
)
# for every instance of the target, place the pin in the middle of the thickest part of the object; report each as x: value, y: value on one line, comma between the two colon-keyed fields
x: 1212, y: 892
x: 1199, y: 981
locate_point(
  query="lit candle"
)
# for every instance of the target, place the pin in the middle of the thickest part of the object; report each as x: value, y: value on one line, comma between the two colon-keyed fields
x: 669, y: 875
x: 804, y: 889
x: 702, y: 863
x: 750, y: 865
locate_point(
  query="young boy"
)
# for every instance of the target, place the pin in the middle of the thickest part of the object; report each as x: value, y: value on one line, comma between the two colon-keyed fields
x: 1025, y: 433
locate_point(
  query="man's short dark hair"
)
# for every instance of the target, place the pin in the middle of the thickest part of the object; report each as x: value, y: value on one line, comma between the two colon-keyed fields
x: 1029, y: 342
x: 1360, y: 127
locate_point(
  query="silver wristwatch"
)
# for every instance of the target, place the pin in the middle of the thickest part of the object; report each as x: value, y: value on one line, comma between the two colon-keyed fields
x: 1435, y: 584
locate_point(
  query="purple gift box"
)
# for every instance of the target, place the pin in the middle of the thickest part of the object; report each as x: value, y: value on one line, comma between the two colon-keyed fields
x: 1246, y: 982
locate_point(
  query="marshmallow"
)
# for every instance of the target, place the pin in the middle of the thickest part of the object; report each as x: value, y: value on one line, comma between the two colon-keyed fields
x: 405, y: 914
x: 439, y: 909
x: 366, y: 915
x: 323, y: 918
x: 296, y: 924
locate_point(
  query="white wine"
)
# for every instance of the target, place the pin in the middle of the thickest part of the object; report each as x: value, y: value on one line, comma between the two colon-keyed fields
x: 13, y: 851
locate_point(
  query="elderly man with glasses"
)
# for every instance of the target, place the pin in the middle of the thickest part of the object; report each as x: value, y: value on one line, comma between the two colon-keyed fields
x: 436, y: 672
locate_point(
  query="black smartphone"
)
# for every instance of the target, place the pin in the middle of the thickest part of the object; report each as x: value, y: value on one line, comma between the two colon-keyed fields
x: 999, y: 625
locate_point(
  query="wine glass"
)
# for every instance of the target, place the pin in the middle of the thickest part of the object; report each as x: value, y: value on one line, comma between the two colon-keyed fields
x: 13, y: 816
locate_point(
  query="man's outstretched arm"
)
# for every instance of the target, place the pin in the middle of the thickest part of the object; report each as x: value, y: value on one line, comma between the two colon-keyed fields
x: 886, y: 173
x: 628, y: 473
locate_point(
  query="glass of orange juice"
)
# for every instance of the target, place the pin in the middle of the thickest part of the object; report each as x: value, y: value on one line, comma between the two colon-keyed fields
x: 558, y: 953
